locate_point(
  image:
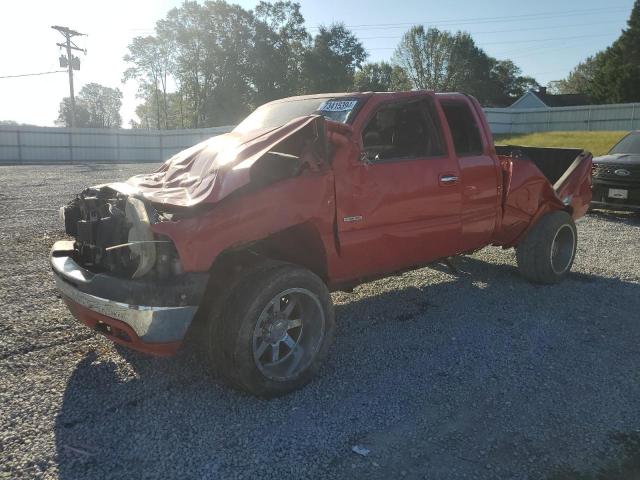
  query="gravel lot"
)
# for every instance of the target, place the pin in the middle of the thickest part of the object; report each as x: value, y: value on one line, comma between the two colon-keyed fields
x: 476, y: 375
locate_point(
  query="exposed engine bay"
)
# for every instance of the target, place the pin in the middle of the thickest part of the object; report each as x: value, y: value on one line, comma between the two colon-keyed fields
x: 113, y: 234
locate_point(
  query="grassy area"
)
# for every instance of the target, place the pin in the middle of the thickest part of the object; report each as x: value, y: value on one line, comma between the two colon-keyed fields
x: 597, y: 143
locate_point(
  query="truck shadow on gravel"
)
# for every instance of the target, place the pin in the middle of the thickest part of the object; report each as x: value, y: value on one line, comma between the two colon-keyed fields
x: 433, y: 372
x: 628, y: 218
x: 625, y: 466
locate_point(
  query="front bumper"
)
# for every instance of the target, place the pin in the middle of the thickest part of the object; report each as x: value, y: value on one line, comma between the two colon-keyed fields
x: 150, y: 316
x: 601, y: 197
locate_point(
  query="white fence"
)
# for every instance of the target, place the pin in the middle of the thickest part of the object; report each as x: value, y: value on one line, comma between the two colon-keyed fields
x: 624, y: 116
x: 25, y: 145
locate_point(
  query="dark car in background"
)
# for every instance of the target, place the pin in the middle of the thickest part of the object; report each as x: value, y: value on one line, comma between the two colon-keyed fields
x: 616, y: 176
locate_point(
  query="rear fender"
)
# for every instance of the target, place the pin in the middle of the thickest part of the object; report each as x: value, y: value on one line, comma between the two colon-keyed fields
x: 527, y: 195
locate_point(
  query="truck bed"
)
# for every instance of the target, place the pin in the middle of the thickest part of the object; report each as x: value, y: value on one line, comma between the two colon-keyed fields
x: 552, y: 162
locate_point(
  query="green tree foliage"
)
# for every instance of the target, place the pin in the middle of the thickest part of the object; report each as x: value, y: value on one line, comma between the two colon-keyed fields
x: 444, y: 61
x: 97, y: 106
x: 64, y: 113
x: 331, y: 62
x: 151, y: 59
x: 380, y: 77
x: 580, y: 78
x: 508, y: 84
x: 212, y: 45
x: 225, y: 61
x: 281, y: 43
x: 616, y: 78
x: 209, y: 63
x: 175, y: 114
x: 427, y: 57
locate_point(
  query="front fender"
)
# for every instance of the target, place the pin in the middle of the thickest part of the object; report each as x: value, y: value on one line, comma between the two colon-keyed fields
x: 252, y: 216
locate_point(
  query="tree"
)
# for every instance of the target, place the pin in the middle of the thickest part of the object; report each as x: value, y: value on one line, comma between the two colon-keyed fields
x: 616, y: 77
x: 280, y: 46
x: 64, y: 113
x: 97, y: 106
x: 212, y: 45
x: 472, y: 70
x: 381, y: 77
x: 151, y: 59
x: 331, y: 62
x: 427, y: 57
x: 508, y: 84
x: 146, y: 112
x: 225, y: 61
x: 580, y: 78
x: 443, y: 61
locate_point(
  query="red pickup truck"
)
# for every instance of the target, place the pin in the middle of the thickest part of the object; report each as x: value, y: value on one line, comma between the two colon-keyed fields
x: 242, y: 237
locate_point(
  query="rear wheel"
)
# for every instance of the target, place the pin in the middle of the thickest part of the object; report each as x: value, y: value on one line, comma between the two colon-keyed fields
x: 274, y: 331
x: 546, y: 253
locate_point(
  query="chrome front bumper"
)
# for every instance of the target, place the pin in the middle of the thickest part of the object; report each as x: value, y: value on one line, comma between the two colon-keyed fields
x: 152, y: 324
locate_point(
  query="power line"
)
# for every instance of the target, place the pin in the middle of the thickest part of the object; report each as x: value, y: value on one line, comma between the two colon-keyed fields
x: 478, y: 20
x: 532, y: 16
x: 32, y: 74
x: 534, y: 40
x: 553, y: 27
x: 536, y: 49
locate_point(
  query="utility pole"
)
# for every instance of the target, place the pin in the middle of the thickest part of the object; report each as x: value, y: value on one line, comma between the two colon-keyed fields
x: 71, y: 62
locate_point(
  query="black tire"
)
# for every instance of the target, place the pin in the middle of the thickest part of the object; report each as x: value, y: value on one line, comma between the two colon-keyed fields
x: 546, y: 253
x: 248, y: 324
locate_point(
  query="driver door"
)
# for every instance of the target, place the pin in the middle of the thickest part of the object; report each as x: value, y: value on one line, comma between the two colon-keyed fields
x: 400, y: 205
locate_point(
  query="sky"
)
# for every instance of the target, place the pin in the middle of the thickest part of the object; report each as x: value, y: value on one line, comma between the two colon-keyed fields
x: 545, y: 38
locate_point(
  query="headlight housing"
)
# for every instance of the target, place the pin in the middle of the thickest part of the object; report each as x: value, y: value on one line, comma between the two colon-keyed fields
x: 141, y: 237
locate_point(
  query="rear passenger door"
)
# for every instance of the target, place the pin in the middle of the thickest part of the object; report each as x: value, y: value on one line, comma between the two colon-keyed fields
x: 399, y: 205
x: 479, y: 173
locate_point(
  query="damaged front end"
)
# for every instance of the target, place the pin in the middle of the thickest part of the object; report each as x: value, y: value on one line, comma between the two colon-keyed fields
x: 138, y: 266
x: 113, y: 234
x: 119, y: 277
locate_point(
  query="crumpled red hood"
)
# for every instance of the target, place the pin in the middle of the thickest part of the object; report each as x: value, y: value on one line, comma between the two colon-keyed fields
x: 210, y: 170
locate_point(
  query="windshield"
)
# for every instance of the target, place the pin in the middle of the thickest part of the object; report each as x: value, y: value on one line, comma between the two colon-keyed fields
x: 273, y: 115
x: 629, y: 144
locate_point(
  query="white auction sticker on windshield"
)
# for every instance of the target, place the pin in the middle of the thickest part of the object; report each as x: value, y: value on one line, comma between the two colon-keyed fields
x: 337, y: 105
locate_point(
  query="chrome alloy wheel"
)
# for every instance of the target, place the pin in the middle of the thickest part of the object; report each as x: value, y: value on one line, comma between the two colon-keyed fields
x: 288, y: 334
x: 562, y: 249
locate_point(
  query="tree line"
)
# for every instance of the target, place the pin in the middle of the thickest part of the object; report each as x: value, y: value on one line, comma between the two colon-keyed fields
x: 211, y: 63
x: 612, y: 75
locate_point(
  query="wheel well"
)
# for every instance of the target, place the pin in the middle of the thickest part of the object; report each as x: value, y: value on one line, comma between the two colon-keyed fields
x: 300, y: 245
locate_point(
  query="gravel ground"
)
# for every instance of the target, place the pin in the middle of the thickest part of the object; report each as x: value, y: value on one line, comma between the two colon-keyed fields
x: 473, y: 375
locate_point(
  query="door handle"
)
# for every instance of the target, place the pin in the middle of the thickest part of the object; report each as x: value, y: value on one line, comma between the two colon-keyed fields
x: 448, y: 179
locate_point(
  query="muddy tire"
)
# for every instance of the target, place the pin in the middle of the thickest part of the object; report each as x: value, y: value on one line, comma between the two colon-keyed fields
x: 274, y: 330
x: 546, y: 253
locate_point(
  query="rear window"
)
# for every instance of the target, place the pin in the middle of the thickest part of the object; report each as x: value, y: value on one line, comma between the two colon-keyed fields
x: 464, y: 130
x: 272, y: 115
x: 629, y: 144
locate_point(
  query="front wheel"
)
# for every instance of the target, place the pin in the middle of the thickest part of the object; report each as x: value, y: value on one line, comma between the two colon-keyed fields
x: 546, y: 253
x: 275, y: 331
